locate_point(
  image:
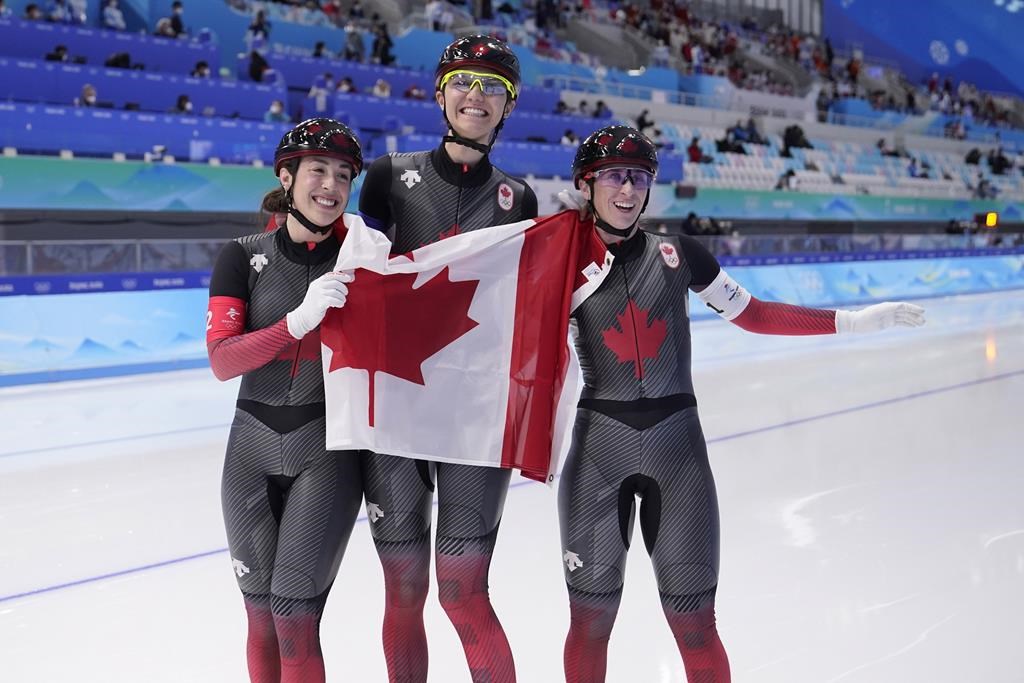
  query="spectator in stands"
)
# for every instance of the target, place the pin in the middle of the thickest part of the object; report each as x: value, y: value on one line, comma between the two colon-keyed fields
x: 997, y: 161
x: 87, y: 97
x: 729, y: 143
x: 200, y: 70
x: 346, y: 85
x: 738, y: 132
x: 447, y: 17
x: 787, y: 181
x: 753, y: 134
x: 320, y: 49
x: 695, y: 154
x: 276, y: 113
x: 183, y: 105
x: 887, y: 151
x: 356, y: 11
x: 120, y: 60
x: 381, y: 88
x: 164, y: 28
x: 113, y: 17
x: 333, y: 10
x: 258, y: 66
x: 5, y: 11
x: 583, y: 109
x: 562, y: 108
x: 32, y: 12
x: 793, y: 136
x: 382, y: 44
x: 569, y: 138
x: 601, y: 110
x: 260, y: 26
x: 822, y: 103
x: 59, y: 54
x: 59, y: 12
x: 912, y: 169
x: 415, y: 92
x: 432, y: 12
x: 643, y: 122
x: 691, y: 224
x: 353, y: 49
x: 659, y: 140
x: 177, y: 23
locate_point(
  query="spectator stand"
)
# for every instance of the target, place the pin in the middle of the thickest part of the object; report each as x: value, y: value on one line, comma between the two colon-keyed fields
x: 33, y: 39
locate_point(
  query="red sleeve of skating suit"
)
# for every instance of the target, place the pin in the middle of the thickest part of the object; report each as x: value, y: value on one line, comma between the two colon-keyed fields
x: 232, y: 353
x: 231, y: 349
x: 768, y: 317
x: 730, y: 300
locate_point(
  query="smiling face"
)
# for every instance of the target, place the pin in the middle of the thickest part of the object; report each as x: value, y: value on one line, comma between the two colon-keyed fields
x: 618, y: 194
x: 320, y: 188
x: 474, y: 115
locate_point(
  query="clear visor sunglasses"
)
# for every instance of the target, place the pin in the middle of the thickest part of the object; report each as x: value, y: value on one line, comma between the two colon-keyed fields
x: 616, y: 177
x: 490, y: 84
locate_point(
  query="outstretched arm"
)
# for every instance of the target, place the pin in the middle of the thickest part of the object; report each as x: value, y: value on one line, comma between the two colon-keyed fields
x: 730, y: 300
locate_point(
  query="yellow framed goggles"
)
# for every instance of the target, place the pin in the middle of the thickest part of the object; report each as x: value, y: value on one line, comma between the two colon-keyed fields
x: 491, y: 84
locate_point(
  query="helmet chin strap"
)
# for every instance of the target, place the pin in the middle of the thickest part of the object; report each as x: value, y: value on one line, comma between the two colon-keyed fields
x: 608, y: 227
x: 306, y: 223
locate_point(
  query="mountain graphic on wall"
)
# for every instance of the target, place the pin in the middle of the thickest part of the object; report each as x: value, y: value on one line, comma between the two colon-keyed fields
x: 84, y: 195
x: 129, y: 345
x: 1011, y: 211
x: 177, y: 204
x: 90, y: 349
x: 43, y: 345
x: 182, y: 338
x: 838, y: 207
x: 157, y: 183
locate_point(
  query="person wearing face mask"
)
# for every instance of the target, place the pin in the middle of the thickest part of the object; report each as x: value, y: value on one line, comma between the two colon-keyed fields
x: 276, y: 113
x: 289, y: 504
x: 183, y: 105
x: 637, y: 432
x: 177, y: 27
x: 418, y: 198
x: 87, y: 97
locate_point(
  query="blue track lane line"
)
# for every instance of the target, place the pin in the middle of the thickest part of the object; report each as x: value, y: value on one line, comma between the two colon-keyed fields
x: 719, y: 439
x: 119, y: 439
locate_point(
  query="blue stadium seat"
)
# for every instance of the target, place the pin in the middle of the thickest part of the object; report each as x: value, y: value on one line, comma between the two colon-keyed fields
x: 58, y: 83
x: 101, y: 132
x: 33, y: 39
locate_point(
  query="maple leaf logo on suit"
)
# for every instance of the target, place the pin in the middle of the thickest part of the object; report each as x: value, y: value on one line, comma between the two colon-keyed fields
x: 635, y: 340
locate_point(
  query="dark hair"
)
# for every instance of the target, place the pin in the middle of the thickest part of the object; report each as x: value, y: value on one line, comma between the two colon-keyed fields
x: 276, y: 201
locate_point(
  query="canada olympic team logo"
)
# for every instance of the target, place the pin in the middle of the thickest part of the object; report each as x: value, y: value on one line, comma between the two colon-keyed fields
x: 505, y: 197
x: 669, y: 255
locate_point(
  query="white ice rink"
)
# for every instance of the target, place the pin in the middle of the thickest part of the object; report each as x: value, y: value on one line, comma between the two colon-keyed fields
x: 871, y: 491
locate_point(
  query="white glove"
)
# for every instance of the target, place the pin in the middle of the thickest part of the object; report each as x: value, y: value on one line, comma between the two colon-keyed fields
x: 879, y: 317
x: 327, y: 291
x: 574, y: 199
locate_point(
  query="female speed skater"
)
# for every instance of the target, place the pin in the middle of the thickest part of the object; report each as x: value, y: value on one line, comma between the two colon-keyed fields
x: 637, y: 432
x: 418, y: 198
x: 289, y: 503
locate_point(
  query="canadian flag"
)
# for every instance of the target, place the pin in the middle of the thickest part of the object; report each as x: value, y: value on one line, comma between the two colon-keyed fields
x: 458, y: 351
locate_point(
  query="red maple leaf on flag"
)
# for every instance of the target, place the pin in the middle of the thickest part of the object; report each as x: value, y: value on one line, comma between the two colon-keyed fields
x: 308, y: 349
x: 389, y: 326
x: 637, y: 339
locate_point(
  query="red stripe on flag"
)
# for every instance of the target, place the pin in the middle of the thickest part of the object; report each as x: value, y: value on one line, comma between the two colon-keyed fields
x: 548, y: 265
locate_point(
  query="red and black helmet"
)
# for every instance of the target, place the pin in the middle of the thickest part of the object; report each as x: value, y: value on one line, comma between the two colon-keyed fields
x: 320, y: 137
x: 615, y: 146
x: 479, y: 52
